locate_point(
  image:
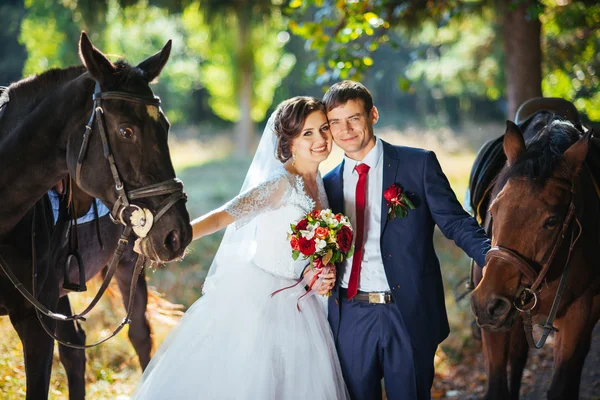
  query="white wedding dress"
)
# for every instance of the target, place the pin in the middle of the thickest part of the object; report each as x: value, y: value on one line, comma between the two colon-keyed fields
x: 238, y: 342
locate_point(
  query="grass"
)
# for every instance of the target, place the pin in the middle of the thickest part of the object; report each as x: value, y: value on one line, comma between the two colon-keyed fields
x: 212, y: 176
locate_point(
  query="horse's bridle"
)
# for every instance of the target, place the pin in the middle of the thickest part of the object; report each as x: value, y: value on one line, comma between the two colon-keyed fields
x: 141, y: 219
x: 527, y: 296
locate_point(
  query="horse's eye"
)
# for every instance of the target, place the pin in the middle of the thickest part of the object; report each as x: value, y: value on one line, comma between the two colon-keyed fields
x: 551, y: 222
x: 126, y: 133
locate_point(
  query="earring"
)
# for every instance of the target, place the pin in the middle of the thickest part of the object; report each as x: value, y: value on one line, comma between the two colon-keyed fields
x: 293, y: 159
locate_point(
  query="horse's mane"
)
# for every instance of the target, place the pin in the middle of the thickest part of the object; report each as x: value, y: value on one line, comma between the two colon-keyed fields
x: 548, y: 137
x: 31, y: 90
x: 36, y: 87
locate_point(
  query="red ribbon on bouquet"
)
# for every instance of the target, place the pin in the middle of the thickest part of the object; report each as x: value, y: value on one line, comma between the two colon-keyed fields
x: 318, y: 266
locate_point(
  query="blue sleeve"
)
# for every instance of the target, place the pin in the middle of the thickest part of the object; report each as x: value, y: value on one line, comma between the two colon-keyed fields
x: 454, y: 222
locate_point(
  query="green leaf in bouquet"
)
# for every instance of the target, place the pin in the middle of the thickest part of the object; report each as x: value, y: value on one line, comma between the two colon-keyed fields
x: 295, y: 254
x: 350, y: 252
x: 293, y: 228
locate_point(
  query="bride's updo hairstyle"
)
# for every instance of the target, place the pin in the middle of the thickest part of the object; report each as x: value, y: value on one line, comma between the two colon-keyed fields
x: 289, y: 121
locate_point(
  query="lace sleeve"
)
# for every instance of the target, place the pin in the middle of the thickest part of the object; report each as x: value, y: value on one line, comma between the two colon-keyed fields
x: 265, y: 197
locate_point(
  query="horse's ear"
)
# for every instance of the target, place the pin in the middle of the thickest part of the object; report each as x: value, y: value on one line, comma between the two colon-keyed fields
x: 514, y: 145
x: 575, y: 155
x: 155, y: 63
x: 96, y: 63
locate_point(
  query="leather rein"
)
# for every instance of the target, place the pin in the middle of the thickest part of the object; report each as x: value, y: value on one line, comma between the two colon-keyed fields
x: 140, y: 221
x: 526, y: 299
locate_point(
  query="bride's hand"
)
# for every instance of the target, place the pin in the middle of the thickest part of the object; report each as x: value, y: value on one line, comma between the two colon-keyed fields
x: 327, y: 281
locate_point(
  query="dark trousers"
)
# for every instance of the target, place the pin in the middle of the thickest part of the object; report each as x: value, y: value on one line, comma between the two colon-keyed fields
x: 372, y: 344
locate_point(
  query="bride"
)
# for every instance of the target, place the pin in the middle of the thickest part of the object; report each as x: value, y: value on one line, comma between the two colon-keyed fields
x: 236, y: 341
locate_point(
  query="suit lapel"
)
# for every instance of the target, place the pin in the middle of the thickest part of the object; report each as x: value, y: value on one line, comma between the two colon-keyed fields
x: 390, y: 170
x: 336, y: 191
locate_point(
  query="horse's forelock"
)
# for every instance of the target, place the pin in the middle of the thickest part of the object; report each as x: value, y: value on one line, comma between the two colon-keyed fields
x: 549, y: 138
x: 127, y: 74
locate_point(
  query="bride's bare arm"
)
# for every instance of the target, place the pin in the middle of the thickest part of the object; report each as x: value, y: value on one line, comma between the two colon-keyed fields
x: 247, y: 205
x: 210, y: 223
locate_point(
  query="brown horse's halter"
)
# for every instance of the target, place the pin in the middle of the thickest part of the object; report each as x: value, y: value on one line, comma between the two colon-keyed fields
x: 527, y: 295
x: 140, y: 221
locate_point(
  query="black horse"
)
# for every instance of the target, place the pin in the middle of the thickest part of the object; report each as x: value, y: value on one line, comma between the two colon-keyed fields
x: 119, y: 155
x: 95, y: 241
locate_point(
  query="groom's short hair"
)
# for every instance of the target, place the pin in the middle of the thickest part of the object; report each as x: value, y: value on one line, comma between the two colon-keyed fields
x: 344, y: 91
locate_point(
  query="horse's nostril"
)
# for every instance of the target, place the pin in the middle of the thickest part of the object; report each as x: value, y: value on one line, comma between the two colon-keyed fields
x: 172, y: 241
x: 498, y: 307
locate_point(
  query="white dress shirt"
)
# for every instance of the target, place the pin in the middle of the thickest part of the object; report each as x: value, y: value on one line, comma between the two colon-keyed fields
x: 372, y: 272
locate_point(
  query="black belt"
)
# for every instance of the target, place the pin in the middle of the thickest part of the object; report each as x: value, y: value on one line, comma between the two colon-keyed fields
x: 369, y: 297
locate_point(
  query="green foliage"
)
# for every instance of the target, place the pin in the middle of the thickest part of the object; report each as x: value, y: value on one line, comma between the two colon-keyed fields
x: 572, y: 54
x: 461, y: 58
x: 203, y: 56
x: 228, y: 52
x: 140, y: 30
x: 12, y: 54
x: 50, y: 32
x: 455, y: 47
x: 47, y: 33
x: 344, y: 34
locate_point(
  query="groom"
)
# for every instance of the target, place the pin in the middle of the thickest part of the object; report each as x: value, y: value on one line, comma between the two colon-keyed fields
x: 387, y: 310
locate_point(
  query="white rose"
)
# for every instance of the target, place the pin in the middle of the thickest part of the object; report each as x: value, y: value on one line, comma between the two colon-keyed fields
x: 309, y: 233
x: 326, y: 214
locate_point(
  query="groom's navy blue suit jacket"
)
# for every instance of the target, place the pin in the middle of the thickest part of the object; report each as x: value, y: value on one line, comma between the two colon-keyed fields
x: 411, y: 265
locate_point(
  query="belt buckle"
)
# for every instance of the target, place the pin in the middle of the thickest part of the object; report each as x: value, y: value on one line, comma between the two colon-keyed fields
x: 376, y: 298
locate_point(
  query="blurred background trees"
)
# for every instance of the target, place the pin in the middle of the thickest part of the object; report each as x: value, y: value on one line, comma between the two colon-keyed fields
x: 507, y: 50
x: 437, y: 63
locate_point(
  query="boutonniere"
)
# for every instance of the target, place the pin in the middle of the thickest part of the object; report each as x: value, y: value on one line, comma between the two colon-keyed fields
x: 397, y: 202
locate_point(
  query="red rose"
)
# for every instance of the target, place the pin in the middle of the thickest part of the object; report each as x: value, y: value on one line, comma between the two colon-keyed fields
x: 294, y: 243
x: 316, y: 214
x: 392, y: 193
x: 338, y: 217
x: 344, y: 238
x: 302, y: 225
x: 307, y: 247
x: 321, y: 232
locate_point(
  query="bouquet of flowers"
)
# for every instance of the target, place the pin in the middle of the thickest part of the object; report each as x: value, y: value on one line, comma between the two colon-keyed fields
x: 323, y: 238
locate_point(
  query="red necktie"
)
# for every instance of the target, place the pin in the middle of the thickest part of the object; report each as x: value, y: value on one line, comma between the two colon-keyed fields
x: 361, y: 194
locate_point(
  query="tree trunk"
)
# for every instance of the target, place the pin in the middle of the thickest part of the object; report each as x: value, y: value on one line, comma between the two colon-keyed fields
x: 245, y: 59
x: 523, y: 54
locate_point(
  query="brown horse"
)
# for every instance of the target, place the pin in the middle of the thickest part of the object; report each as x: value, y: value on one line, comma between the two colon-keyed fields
x: 545, y: 231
